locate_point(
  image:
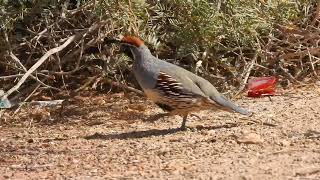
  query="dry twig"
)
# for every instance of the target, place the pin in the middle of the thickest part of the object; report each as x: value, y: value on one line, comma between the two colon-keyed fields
x: 248, y: 71
x: 36, y: 65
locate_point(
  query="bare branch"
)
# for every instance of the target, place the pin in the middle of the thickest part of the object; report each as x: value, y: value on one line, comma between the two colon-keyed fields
x: 37, y: 64
x: 25, y: 69
x: 248, y: 71
x: 311, y: 63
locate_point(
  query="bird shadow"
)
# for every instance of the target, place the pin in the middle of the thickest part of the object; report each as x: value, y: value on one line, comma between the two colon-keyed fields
x: 159, y: 116
x: 152, y: 132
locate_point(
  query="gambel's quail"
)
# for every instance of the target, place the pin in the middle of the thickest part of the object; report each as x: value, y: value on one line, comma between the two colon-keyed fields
x: 171, y: 87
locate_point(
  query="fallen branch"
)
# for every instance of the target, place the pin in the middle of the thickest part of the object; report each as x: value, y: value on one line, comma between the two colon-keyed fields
x: 296, y: 56
x: 17, y: 60
x: 112, y: 84
x: 24, y: 92
x: 11, y: 76
x: 36, y: 65
x: 248, y: 71
x: 312, y: 65
x: 286, y: 73
x: 125, y: 87
x: 95, y: 27
x: 87, y: 83
x: 263, y: 123
x: 26, y: 99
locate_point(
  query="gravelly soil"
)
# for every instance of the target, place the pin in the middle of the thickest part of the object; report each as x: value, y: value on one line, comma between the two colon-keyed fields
x: 106, y: 137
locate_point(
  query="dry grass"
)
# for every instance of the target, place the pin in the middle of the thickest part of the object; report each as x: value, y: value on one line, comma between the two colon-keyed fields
x: 224, y: 42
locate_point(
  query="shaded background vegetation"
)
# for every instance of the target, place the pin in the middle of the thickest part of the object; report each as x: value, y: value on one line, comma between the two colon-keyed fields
x: 226, y: 41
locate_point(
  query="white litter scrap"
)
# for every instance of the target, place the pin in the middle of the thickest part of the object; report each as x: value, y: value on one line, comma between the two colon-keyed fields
x: 4, y: 102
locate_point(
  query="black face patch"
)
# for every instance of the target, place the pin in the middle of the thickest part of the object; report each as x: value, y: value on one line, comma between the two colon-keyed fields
x: 126, y: 50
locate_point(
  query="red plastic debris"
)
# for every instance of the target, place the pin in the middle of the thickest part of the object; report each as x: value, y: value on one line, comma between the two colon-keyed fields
x: 262, y: 86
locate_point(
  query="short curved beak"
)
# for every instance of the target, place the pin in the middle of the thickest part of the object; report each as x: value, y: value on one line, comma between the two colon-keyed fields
x: 111, y: 41
x: 124, y: 47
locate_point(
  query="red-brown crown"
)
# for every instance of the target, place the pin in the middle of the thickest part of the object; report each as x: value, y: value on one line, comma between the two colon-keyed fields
x: 132, y: 40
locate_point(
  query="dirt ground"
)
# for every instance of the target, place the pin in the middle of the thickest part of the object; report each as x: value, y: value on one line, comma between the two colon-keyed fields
x: 106, y: 137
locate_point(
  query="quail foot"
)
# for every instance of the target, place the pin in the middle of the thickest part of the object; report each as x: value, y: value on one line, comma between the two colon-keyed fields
x: 172, y: 88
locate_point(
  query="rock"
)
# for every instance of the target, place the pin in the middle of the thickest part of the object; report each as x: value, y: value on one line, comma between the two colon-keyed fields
x: 250, y: 138
x: 285, y: 143
x: 30, y: 140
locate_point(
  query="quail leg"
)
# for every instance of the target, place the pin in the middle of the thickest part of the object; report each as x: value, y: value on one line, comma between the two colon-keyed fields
x: 183, y: 125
